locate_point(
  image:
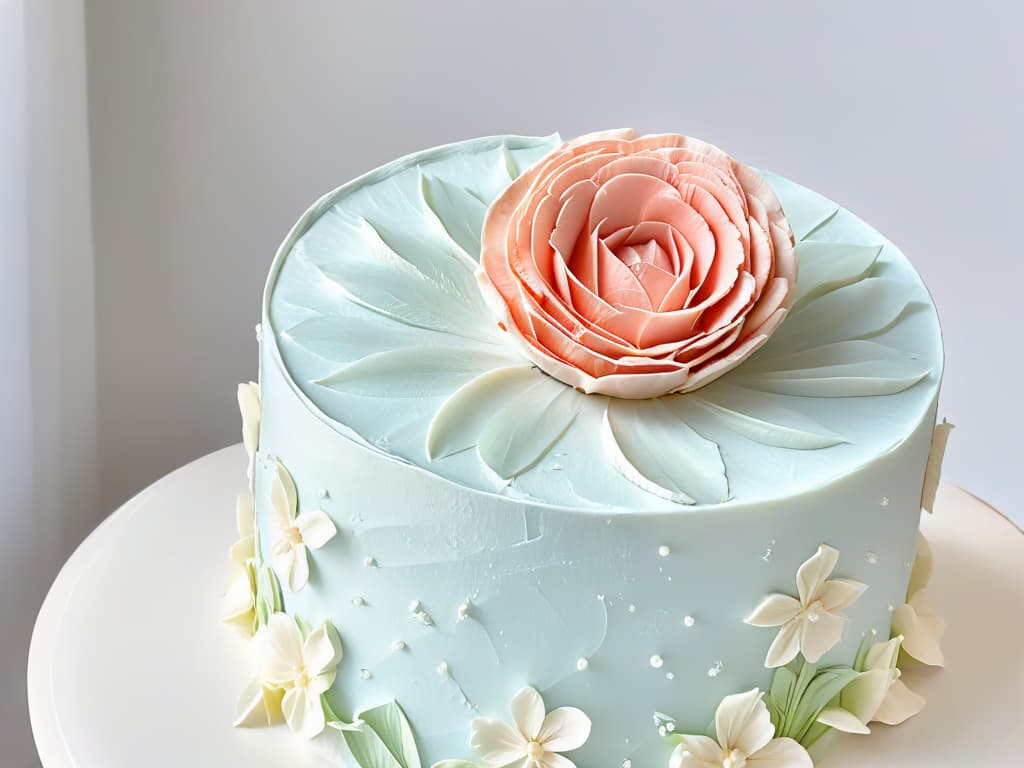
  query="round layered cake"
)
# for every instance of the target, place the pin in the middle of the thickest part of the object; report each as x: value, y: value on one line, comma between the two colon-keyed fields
x: 560, y: 449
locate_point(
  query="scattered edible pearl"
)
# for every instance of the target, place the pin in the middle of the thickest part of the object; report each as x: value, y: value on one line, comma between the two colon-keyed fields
x: 556, y: 467
x: 716, y: 669
x: 600, y: 596
x: 670, y: 675
x: 689, y: 621
x: 444, y: 671
x: 370, y: 562
x: 662, y: 730
x: 871, y: 558
x: 885, y: 501
x: 398, y: 645
x: 583, y: 664
x: 632, y: 608
x: 664, y: 550
x: 627, y: 763
x: 365, y: 674
x: 657, y: 661
x: 357, y: 601
x: 464, y: 611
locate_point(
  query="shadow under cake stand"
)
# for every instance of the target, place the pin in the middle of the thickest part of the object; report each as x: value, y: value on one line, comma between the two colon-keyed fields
x: 129, y: 665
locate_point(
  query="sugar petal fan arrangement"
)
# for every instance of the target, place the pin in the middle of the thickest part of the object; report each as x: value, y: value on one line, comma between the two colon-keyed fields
x: 692, y: 288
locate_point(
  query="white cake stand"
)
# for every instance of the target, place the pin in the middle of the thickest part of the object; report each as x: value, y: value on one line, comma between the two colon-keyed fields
x: 130, y: 667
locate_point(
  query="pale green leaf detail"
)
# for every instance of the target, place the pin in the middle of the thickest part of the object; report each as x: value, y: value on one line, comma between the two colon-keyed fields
x: 459, y: 421
x: 865, y: 308
x: 526, y: 427
x: 381, y: 280
x: 826, y: 685
x: 392, y: 727
x: 458, y: 210
x: 457, y: 764
x: 366, y: 746
x: 780, y: 696
x: 763, y: 418
x: 824, y: 267
x: 663, y: 455
x: 413, y: 371
x: 843, y: 369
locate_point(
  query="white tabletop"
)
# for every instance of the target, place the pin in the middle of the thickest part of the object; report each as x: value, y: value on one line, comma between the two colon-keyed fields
x: 129, y: 665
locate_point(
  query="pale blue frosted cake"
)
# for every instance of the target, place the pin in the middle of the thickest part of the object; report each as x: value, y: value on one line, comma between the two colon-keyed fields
x: 621, y: 428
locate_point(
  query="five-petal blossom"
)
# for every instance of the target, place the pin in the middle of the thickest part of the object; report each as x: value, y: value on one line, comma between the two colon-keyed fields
x: 304, y: 667
x: 296, y: 534
x: 536, y: 740
x: 814, y: 623
x: 744, y: 737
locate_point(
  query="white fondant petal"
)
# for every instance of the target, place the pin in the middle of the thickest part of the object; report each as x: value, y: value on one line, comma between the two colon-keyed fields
x: 283, y: 639
x: 781, y: 753
x: 564, y: 729
x: 554, y: 760
x: 460, y: 213
x: 842, y: 720
x: 696, y: 752
x: 839, y: 594
x: 921, y: 574
x: 258, y: 706
x: 774, y: 611
x: 922, y: 629
x: 417, y: 371
x: 249, y: 405
x: 528, y: 712
x: 316, y: 528
x: 239, y: 600
x: 663, y: 455
x: 899, y: 704
x: 297, y: 575
x: 497, y: 742
x: 323, y: 682
x: 322, y: 650
x: 933, y: 470
x: 760, y: 417
x: 283, y: 557
x: 243, y: 550
x: 785, y: 646
x: 827, y: 266
x: 819, y: 637
x: 303, y: 712
x: 283, y: 500
x: 459, y: 421
x: 742, y: 722
x: 527, y: 425
x: 812, y: 574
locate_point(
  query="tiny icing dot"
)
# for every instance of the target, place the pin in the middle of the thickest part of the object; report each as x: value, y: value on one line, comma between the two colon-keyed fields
x: 632, y: 608
x: 600, y: 596
x: 556, y: 467
x: 365, y: 674
x: 627, y: 763
x: 662, y: 730
x: 583, y: 664
x: 664, y: 550
x: 657, y: 661
x: 885, y: 501
x: 689, y: 621
x: 871, y: 558
x: 357, y: 601
x: 716, y: 669
x: 892, y: 609
x: 670, y: 726
x: 464, y: 611
x: 444, y: 670
x: 398, y: 645
x: 670, y: 675
x: 370, y: 562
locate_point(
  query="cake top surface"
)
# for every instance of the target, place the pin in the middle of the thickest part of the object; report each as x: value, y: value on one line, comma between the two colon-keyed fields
x: 807, y: 347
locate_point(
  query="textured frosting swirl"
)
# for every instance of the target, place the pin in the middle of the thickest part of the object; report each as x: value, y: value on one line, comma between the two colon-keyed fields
x: 638, y: 266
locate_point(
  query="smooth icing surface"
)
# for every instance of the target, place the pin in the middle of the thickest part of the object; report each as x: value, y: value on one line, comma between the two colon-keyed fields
x: 376, y: 315
x: 498, y: 530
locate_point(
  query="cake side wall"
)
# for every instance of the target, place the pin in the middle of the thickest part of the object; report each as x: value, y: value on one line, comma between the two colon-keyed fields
x: 449, y: 599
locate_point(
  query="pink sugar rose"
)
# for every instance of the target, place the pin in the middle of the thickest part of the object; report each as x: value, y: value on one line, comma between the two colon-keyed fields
x: 638, y: 266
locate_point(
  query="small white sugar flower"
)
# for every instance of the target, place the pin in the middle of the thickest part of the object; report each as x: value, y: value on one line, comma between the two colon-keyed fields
x: 259, y: 704
x: 744, y: 733
x: 249, y: 405
x: 919, y: 620
x: 536, y: 740
x: 304, y: 667
x: 877, y: 693
x: 814, y: 623
x: 296, y: 534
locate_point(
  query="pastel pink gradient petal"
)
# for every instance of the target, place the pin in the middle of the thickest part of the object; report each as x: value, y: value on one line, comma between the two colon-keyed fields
x: 638, y: 266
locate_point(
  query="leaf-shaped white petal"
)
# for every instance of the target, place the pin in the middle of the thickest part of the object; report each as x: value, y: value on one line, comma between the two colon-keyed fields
x: 414, y: 371
x: 842, y: 369
x: 662, y: 454
x: 316, y: 528
x: 383, y: 281
x: 863, y: 309
x: 933, y: 470
x: 459, y: 421
x: 527, y: 426
x: 842, y: 720
x: 459, y: 211
x: 806, y: 211
x: 899, y: 704
x: 764, y: 418
x: 825, y: 267
x: 283, y: 500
